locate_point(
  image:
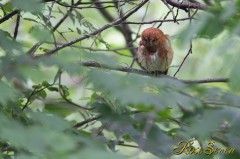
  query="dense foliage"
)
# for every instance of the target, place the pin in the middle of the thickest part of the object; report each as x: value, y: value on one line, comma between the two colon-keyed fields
x: 67, y: 90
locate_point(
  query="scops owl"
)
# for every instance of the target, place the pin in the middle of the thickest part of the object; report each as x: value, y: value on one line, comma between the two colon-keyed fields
x: 154, y: 53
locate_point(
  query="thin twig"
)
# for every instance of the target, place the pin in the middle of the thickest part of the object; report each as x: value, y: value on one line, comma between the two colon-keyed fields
x: 140, y: 26
x: 67, y: 100
x: 189, y: 52
x: 36, y: 90
x: 98, y: 2
x: 77, y: 125
x: 50, y: 13
x: 29, y: 98
x: 165, y: 17
x: 220, y: 103
x: 89, y: 7
x: 190, y: 49
x: 155, y: 21
x: 32, y: 50
x: 170, y: 9
x: 115, y: 22
x: 96, y: 49
x: 127, y: 145
x: 16, y: 26
x: 207, y: 80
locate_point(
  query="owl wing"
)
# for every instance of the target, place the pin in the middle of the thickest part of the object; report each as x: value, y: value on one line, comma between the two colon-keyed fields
x: 169, y: 52
x: 141, y: 56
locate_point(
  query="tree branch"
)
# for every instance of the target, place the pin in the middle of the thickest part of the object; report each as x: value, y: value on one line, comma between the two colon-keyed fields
x: 186, y: 5
x: 77, y: 125
x: 32, y: 50
x: 155, y: 21
x: 9, y: 15
x: 16, y: 26
x: 115, y: 22
x: 123, y: 28
x: 96, y: 2
x: 143, y: 72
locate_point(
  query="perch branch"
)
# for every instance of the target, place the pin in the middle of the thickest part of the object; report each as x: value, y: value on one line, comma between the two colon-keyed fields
x: 143, y: 72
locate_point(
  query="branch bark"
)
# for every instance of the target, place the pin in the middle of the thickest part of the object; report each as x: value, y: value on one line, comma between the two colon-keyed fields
x: 186, y: 5
x: 9, y: 15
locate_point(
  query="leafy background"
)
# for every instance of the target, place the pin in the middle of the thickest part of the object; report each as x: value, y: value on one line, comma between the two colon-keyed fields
x: 77, y: 102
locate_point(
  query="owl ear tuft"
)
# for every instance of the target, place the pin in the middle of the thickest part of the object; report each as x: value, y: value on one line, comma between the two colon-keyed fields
x: 168, y: 36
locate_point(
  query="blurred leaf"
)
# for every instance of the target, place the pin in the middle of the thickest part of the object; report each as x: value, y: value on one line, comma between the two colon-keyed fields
x: 100, y: 154
x: 66, y: 60
x: 214, y: 119
x: 104, y: 59
x: 71, y: 15
x: 8, y: 7
x: 28, y: 5
x: 7, y: 43
x: 62, y: 109
x: 235, y: 77
x: 135, y: 89
x: 210, y: 24
x: 79, y: 16
x: 40, y: 34
x: 47, y: 134
x: 155, y: 141
x: 65, y: 90
x: 50, y: 121
x: 7, y: 93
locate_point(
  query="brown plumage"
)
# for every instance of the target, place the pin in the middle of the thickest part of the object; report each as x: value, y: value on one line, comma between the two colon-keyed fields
x: 154, y: 53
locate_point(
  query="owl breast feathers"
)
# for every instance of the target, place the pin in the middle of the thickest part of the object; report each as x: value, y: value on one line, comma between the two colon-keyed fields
x: 154, y: 53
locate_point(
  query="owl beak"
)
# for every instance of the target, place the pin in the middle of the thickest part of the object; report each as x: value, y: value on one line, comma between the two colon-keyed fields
x: 149, y: 43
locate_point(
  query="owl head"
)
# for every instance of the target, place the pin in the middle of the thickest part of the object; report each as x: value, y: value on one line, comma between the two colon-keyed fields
x: 152, y: 38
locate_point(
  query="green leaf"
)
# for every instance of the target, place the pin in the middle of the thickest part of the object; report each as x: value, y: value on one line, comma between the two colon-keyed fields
x: 65, y: 90
x: 42, y: 94
x: 53, y: 89
x: 38, y: 86
x: 165, y: 113
x: 45, y: 84
x: 61, y: 109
